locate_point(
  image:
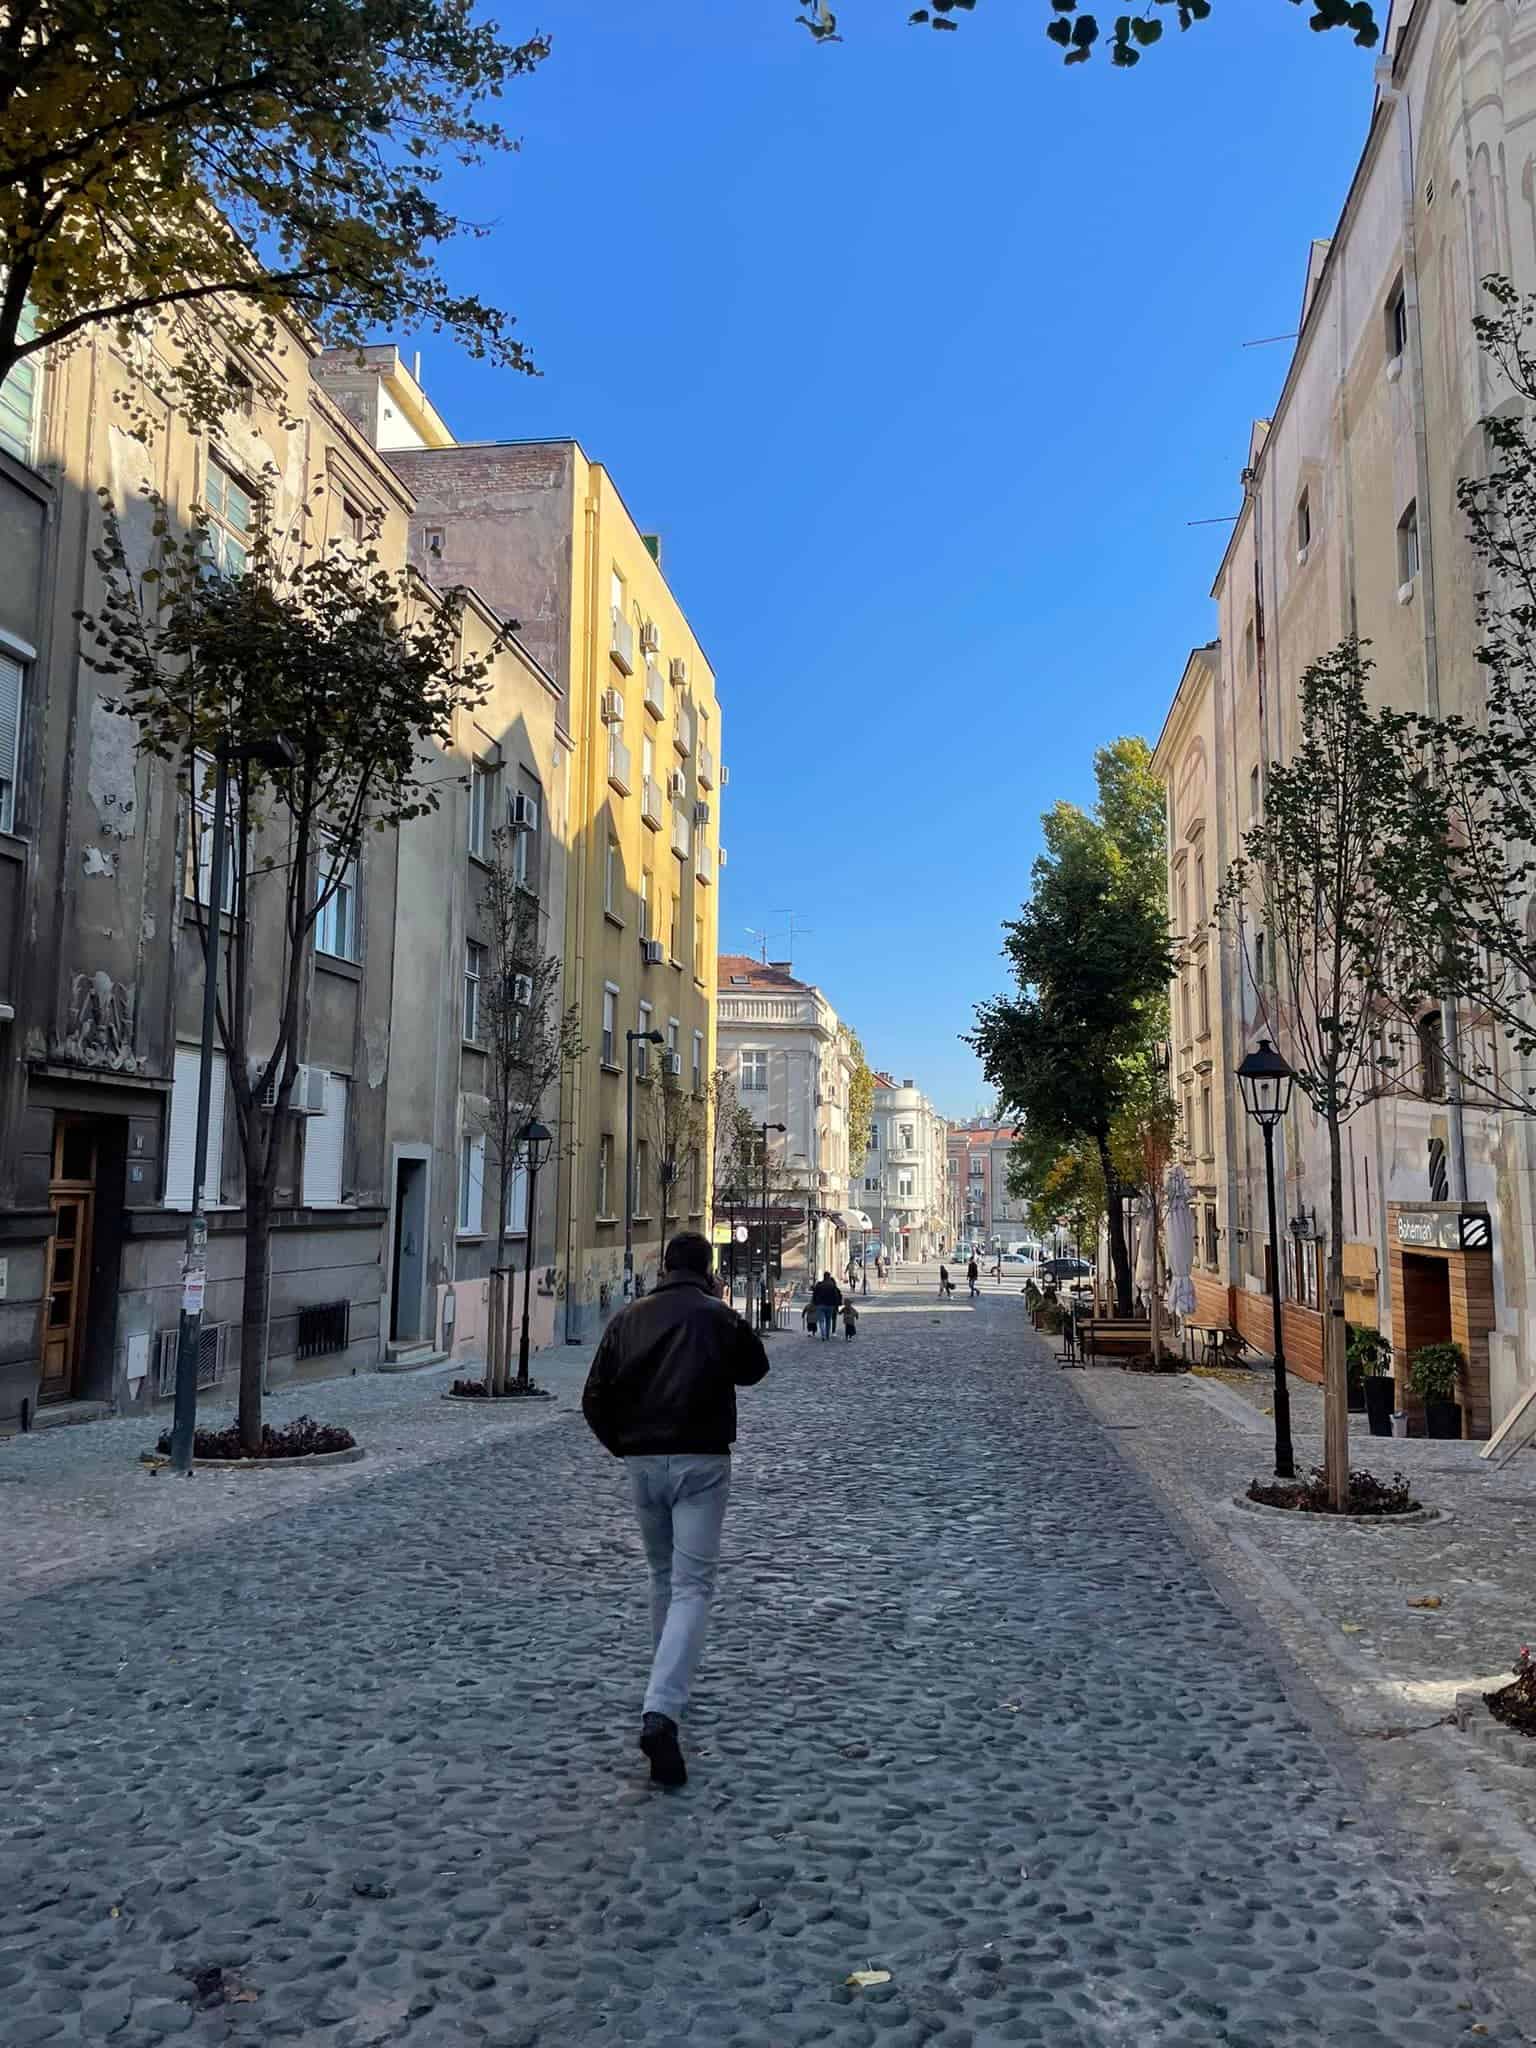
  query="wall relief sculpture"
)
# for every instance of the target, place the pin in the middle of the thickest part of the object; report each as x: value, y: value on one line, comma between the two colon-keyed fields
x: 100, y: 1033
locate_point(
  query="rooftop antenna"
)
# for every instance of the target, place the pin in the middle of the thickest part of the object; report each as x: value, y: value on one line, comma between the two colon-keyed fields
x: 803, y: 930
x: 762, y: 941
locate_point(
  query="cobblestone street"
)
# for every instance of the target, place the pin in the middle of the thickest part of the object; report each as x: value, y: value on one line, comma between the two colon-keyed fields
x: 970, y: 1714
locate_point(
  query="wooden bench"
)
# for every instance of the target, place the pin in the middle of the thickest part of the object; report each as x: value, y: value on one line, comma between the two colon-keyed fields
x: 1115, y: 1336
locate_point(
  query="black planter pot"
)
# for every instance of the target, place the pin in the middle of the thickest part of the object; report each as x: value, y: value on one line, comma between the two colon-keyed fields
x: 1442, y: 1419
x: 1357, y: 1397
x: 1380, y: 1393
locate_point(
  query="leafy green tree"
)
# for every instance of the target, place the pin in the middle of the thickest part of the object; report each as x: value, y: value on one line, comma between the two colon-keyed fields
x: 324, y: 649
x: 677, y: 1131
x: 216, y: 170
x: 861, y: 1104
x: 1350, y: 847
x: 1091, y: 959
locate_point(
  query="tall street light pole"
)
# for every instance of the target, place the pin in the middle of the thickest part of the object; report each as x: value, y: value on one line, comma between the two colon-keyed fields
x: 536, y: 1141
x: 273, y: 753
x: 1266, y: 1082
x: 764, y: 1308
x: 631, y: 1040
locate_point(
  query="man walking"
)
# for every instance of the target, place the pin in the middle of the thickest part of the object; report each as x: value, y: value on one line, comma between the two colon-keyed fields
x: 826, y: 1299
x: 662, y: 1396
x: 972, y: 1275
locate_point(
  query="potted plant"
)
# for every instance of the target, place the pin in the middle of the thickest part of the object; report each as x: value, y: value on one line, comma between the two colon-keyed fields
x: 1433, y: 1375
x: 1369, y: 1355
x: 1355, y: 1370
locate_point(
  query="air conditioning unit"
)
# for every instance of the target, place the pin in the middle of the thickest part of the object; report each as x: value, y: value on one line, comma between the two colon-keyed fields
x: 650, y: 639
x: 652, y: 952
x: 701, y: 813
x: 525, y: 809
x: 725, y: 776
x: 308, y: 1097
x: 672, y: 1063
x: 677, y: 784
x: 679, y: 669
x: 613, y: 707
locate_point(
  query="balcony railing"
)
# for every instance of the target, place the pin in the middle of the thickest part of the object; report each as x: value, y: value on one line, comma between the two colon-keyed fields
x: 682, y: 832
x: 618, y: 764
x: 622, y: 645
x: 650, y: 801
x: 706, y: 768
x: 682, y: 730
x: 655, y: 691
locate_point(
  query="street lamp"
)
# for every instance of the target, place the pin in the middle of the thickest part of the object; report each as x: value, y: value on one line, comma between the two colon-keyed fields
x: 277, y: 752
x: 765, y: 1307
x: 536, y: 1142
x: 1266, y: 1082
x: 631, y: 1040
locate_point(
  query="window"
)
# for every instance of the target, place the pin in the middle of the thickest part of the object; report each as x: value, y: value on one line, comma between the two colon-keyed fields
x: 645, y: 903
x: 675, y: 929
x: 1211, y: 1245
x: 874, y: 1137
x: 181, y: 1129
x: 18, y: 396
x: 754, y: 1073
x: 695, y: 1183
x: 1408, y: 544
x: 611, y: 879
x: 871, y: 1185
x: 525, y: 842
x: 672, y: 1031
x: 1253, y: 795
x: 1304, y: 522
x: 1431, y: 1033
x: 204, y: 800
x: 610, y: 1026
x: 642, y: 1045
x: 336, y: 924
x: 474, y: 977
x: 1205, y: 1002
x: 517, y: 1201
x: 432, y: 538
x: 1183, y: 906
x: 230, y: 512
x: 325, y: 1138
x: 354, y: 521
x: 1189, y: 1029
x: 1207, y: 1134
x: 604, y: 1174
x: 698, y: 1063
x: 482, y: 794
x: 1397, y: 322
x: 903, y: 1183
x: 1200, y: 906
x: 12, y: 677
x: 1250, y: 649
x: 642, y: 1176
x: 471, y: 1184
x: 906, y: 1138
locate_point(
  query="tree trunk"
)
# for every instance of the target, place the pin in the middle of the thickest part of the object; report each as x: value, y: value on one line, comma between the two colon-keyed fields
x: 1335, y: 1368
x: 1119, y: 1255
x: 496, y: 1320
x: 253, y: 1310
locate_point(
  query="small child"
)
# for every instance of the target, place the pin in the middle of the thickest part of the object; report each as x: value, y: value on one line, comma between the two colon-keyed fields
x: 850, y: 1321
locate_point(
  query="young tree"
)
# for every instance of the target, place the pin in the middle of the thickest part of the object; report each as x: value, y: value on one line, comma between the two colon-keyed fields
x: 677, y: 1131
x: 861, y: 1104
x: 528, y: 1039
x: 217, y: 170
x: 1336, y: 872
x: 334, y: 655
x: 1142, y: 1141
x: 1092, y: 959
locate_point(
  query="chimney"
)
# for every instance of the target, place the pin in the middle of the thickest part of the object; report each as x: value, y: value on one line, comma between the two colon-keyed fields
x: 782, y: 966
x: 909, y: 1082
x: 652, y: 544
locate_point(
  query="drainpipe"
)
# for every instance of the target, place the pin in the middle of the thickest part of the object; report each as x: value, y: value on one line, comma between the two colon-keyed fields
x: 1413, y: 376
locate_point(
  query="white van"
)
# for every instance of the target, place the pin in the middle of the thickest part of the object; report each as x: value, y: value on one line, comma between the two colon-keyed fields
x: 1023, y: 1251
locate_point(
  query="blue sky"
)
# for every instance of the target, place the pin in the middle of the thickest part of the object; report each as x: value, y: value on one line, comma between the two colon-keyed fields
x: 919, y: 352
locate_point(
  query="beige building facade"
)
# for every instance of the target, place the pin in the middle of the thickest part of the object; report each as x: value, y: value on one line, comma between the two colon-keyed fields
x: 1349, y: 524
x: 906, y: 1173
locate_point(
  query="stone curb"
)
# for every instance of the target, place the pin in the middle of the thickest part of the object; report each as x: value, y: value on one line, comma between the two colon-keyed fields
x: 155, y: 1462
x: 1303, y: 1517
x: 499, y: 1404
x: 1472, y: 1717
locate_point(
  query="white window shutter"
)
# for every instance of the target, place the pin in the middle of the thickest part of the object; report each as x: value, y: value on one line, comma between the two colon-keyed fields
x: 517, y: 1200
x: 11, y: 674
x: 181, y: 1130
x: 324, y: 1140
x: 477, y: 1184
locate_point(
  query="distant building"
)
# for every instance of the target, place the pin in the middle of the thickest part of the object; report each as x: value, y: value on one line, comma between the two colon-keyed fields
x: 905, y: 1174
x: 980, y: 1206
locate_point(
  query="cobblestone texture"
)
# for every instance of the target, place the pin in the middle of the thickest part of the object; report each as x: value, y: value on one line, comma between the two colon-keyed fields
x: 971, y: 1715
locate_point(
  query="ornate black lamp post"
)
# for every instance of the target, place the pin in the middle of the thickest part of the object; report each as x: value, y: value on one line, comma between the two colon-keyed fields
x: 1266, y: 1082
x: 535, y: 1141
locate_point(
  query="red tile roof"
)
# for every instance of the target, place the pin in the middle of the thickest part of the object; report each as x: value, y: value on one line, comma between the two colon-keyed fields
x: 740, y: 970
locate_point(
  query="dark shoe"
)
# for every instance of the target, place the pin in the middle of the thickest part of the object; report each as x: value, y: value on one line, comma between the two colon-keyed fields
x: 658, y: 1738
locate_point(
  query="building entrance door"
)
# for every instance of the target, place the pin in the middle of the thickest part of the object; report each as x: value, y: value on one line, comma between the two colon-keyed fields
x: 67, y: 1296
x: 410, y: 1250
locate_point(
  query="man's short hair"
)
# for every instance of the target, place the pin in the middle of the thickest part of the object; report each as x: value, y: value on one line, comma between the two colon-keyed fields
x: 689, y: 1252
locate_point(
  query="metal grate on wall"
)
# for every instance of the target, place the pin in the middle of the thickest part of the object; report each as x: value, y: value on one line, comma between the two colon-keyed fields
x: 212, y: 1352
x: 323, y: 1329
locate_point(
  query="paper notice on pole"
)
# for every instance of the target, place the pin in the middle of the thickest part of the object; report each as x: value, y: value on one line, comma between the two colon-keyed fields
x: 192, y: 1286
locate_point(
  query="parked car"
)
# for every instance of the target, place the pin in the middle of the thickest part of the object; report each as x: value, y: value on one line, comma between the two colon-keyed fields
x: 1065, y: 1271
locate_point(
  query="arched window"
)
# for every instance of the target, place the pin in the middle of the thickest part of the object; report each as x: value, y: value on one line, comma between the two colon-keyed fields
x: 1431, y: 1030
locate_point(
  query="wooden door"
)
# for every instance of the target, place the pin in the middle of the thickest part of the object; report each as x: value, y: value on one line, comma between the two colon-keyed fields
x: 72, y: 1197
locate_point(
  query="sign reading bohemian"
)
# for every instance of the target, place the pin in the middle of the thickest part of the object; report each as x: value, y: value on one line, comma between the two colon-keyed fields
x: 1445, y: 1230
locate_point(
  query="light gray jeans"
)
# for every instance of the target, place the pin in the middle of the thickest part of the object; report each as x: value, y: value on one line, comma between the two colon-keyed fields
x: 681, y: 1506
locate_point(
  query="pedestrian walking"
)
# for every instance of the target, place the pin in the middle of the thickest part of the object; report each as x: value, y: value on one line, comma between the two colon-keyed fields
x: 827, y: 1299
x: 662, y: 1396
x: 946, y: 1285
x: 972, y: 1275
x: 850, y: 1321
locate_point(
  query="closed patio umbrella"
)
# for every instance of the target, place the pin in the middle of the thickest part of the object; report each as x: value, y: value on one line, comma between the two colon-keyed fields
x: 1179, y: 1228
x: 1146, y: 1240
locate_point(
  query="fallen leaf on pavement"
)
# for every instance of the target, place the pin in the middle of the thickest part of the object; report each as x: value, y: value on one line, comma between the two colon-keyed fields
x: 862, y: 1979
x: 1352, y: 1628
x: 1428, y: 1600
